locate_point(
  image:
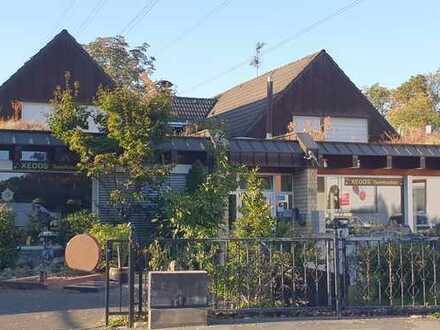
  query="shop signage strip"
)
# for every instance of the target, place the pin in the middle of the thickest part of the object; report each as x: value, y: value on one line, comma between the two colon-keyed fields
x: 358, y: 181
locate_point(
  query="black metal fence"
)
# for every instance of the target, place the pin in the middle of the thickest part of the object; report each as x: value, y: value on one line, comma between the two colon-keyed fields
x: 402, y: 272
x: 324, y: 274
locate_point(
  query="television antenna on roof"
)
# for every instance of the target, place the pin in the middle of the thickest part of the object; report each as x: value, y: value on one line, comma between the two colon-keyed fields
x: 256, y: 59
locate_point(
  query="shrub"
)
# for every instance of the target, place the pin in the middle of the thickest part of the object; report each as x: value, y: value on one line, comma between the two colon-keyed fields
x: 9, y: 236
x: 80, y: 222
x: 104, y: 232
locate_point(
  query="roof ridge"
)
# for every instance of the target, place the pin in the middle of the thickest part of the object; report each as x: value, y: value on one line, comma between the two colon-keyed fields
x: 311, y: 56
x: 194, y: 98
x: 63, y: 34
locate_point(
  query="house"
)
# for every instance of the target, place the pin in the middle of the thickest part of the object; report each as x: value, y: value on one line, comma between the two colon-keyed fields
x: 352, y: 172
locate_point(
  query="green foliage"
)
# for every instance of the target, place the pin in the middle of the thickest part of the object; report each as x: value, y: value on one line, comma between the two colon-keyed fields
x: 123, y: 64
x: 104, y: 232
x: 412, y: 105
x: 195, y: 176
x: 117, y: 321
x: 417, y: 112
x: 199, y: 211
x: 380, y: 97
x: 132, y: 122
x: 79, y: 223
x: 256, y: 219
x: 9, y: 237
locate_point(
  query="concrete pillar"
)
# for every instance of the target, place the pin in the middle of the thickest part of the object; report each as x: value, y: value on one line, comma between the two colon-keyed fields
x: 408, y: 214
x: 305, y: 191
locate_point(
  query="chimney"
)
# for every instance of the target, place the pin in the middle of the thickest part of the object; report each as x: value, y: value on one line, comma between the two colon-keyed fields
x: 269, y: 126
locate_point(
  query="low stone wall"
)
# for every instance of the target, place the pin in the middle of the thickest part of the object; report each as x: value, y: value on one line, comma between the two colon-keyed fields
x: 177, y: 299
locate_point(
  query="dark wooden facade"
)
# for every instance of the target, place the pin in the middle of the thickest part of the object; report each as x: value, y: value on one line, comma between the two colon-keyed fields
x: 322, y: 89
x: 38, y: 78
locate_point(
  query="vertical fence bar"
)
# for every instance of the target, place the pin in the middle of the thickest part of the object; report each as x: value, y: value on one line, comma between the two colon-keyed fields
x: 413, y: 279
x: 337, y: 266
x: 434, y: 268
x: 401, y: 275
x: 292, y: 248
x: 282, y: 274
x: 107, y: 280
x: 317, y: 277
x: 130, y: 283
x: 140, y: 292
x: 379, y: 278
x: 390, y: 274
x: 327, y: 268
x: 423, y: 273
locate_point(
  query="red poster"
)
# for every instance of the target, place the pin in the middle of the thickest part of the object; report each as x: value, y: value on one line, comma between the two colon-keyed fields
x: 345, y: 199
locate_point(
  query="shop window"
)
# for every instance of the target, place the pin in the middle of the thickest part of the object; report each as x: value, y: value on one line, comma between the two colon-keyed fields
x: 34, y: 156
x: 54, y: 194
x: 4, y: 154
x: 286, y: 183
x: 267, y: 182
x: 419, y: 202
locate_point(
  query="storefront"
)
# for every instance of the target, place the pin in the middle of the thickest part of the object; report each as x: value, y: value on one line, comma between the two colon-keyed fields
x: 37, y: 177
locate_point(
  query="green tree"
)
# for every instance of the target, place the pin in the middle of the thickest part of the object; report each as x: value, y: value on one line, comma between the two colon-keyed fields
x: 413, y: 105
x: 9, y: 236
x: 256, y: 219
x: 417, y: 112
x: 131, y: 122
x: 199, y: 211
x: 127, y: 66
x: 380, y: 97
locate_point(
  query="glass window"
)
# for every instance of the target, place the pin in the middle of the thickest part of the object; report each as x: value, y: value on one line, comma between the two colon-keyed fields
x: 419, y: 202
x: 34, y: 156
x: 55, y: 194
x: 286, y: 183
x: 267, y: 182
x: 4, y: 154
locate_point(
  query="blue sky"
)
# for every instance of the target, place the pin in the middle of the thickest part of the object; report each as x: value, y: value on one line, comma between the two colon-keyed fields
x: 382, y: 41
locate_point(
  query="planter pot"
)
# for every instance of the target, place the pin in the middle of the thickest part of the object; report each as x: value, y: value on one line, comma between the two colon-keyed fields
x: 118, y: 274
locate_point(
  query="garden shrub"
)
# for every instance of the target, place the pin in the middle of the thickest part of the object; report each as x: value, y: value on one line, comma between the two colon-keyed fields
x: 9, y: 237
x: 78, y: 223
x: 104, y: 232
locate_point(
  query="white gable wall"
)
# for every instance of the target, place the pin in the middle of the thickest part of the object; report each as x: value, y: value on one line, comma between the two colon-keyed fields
x: 39, y: 112
x: 341, y: 129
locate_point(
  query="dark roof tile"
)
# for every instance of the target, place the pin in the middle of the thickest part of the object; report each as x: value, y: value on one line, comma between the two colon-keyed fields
x: 191, y: 109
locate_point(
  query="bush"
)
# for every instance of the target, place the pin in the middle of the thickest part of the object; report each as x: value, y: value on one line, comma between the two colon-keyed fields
x: 104, y: 232
x: 9, y: 236
x: 79, y: 223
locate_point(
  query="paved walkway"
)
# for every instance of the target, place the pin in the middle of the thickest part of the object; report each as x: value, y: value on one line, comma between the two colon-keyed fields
x: 355, y: 324
x: 52, y: 309
x: 61, y: 309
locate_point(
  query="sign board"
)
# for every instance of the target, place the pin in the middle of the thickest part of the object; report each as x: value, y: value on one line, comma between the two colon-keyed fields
x: 41, y: 166
x: 357, y: 181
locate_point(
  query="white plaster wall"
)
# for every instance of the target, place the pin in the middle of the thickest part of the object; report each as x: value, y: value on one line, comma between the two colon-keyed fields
x: 39, y: 112
x: 342, y: 129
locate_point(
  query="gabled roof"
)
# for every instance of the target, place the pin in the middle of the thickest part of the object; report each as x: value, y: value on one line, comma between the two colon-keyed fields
x: 191, y: 109
x: 37, y: 79
x: 255, y: 90
x: 312, y: 86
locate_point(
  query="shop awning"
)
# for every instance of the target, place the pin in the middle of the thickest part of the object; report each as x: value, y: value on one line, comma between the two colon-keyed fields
x: 377, y: 149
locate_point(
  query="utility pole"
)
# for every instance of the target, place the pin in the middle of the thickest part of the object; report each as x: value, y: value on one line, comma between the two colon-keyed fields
x: 256, y: 60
